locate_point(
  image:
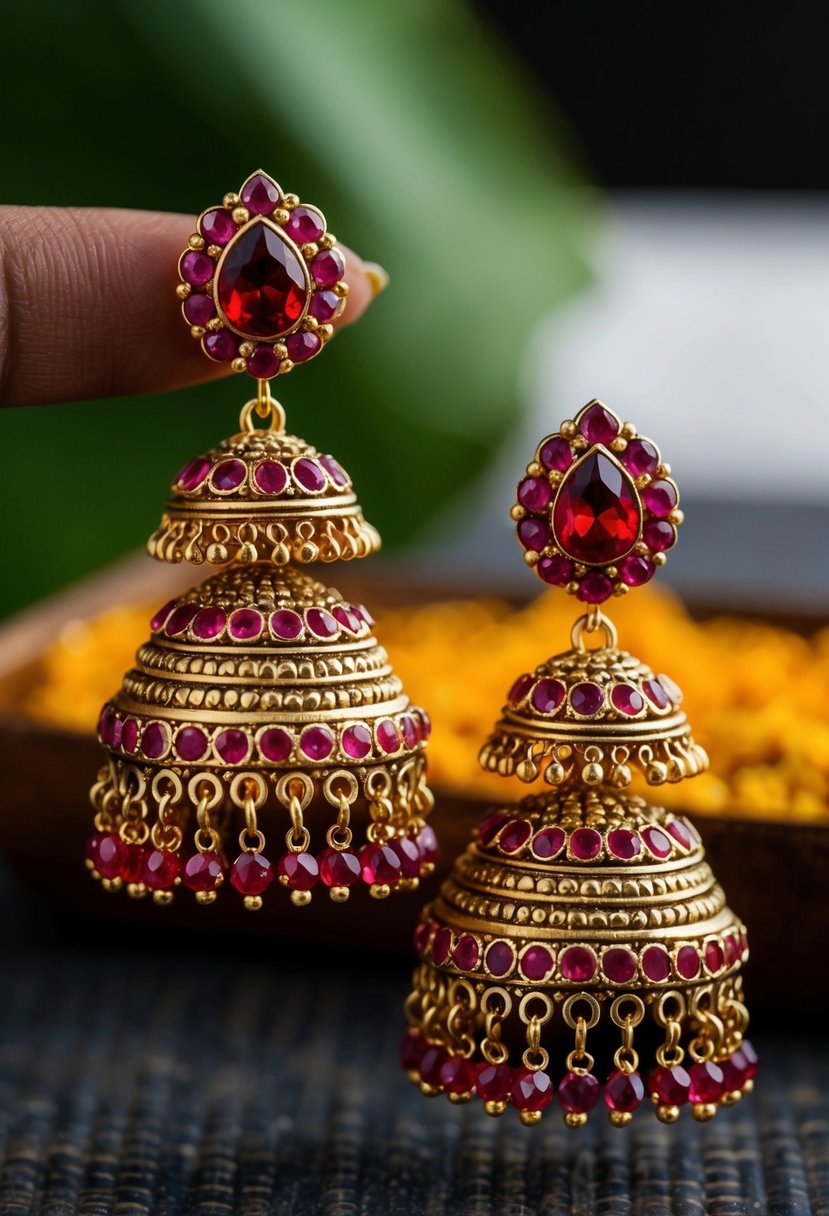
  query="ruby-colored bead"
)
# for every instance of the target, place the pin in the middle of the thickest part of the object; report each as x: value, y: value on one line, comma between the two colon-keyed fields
x: 597, y: 517
x: 321, y: 623
x: 598, y: 425
x: 548, y: 696
x: 514, y: 836
x: 624, y: 1091
x: 203, y: 872
x: 356, y: 741
x: 228, y: 475
x: 328, y: 267
x: 627, y: 700
x: 659, y: 498
x: 751, y: 1058
x: 671, y: 1086
x: 251, y: 874
x: 431, y: 1063
x: 657, y: 842
x: 535, y: 493
x: 180, y: 619
x: 270, y: 477
x: 555, y: 570
x: 457, y: 1075
x: 115, y: 729
x: 623, y: 843
x: 275, y: 744
x: 491, y: 826
x: 594, y: 588
x: 499, y: 959
x: 640, y: 458
x: 217, y: 226
x: 132, y: 870
x: 619, y: 964
x: 199, y: 309
x: 208, y: 623
x: 441, y: 946
x: 223, y: 346
x: 387, y: 736
x: 714, y: 958
x: 261, y: 287
x: 586, y: 699
x: 157, y: 621
x: 422, y: 936
x: 427, y: 843
x: 232, y: 746
x: 193, y: 473
x: 155, y: 741
x: 533, y: 533
x: 536, y: 963
x: 316, y: 742
x: 108, y: 854
x: 308, y: 475
x: 493, y: 1082
x: 659, y: 535
x: 409, y: 854
x: 105, y: 724
x: 655, y: 693
x: 161, y: 869
x: 324, y: 306
x: 548, y: 843
x: 734, y: 1072
x: 634, y: 571
x: 520, y: 689
x: 731, y: 942
x: 380, y: 865
x: 299, y: 871
x: 707, y: 1082
x: 336, y: 472
x: 656, y: 964
x: 197, y: 268
x: 465, y: 954
x: 260, y: 195
x: 339, y: 868
x: 680, y: 833
x: 246, y: 625
x: 411, y: 1050
x: 305, y: 225
x: 408, y: 732
x: 286, y: 624
x: 191, y: 743
x: 531, y: 1090
x: 555, y: 454
x: 577, y: 964
x: 263, y: 362
x: 578, y: 1093
x: 129, y: 736
x: 347, y: 618
x: 585, y: 844
x: 687, y: 962
x: 302, y: 346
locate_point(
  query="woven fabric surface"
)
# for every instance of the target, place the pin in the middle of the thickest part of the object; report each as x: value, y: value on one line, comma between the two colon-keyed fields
x: 210, y: 1079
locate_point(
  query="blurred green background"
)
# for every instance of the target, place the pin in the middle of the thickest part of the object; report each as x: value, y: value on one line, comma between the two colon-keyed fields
x: 427, y: 148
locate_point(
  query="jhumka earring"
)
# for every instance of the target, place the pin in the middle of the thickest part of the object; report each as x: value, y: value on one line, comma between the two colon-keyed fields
x: 262, y: 701
x: 581, y: 947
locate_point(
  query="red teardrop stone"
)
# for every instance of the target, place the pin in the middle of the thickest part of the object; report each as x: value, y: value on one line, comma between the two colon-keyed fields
x: 597, y: 516
x: 262, y: 285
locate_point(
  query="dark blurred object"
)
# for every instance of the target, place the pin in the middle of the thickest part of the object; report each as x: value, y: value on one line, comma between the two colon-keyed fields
x: 731, y: 96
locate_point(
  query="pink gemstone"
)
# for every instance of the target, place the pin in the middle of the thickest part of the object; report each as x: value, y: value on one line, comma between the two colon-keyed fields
x: 520, y: 689
x: 624, y: 843
x: 751, y: 1060
x: 387, y: 737
x: 263, y: 362
x: 302, y: 346
x: 129, y: 736
x: 535, y: 493
x: 430, y: 1065
x: 598, y: 425
x: 556, y: 454
x: 324, y: 306
x: 673, y: 690
x: 457, y: 1076
x: 427, y: 842
x: 640, y: 458
x: 465, y: 954
x: 246, y: 625
x: 679, y: 832
x: 316, y: 742
x: 656, y: 964
x: 734, y: 1072
x: 586, y: 699
x: 348, y: 618
x: 493, y: 1082
x: 619, y: 964
x: 155, y: 741
x: 627, y: 699
x: 328, y: 267
x: 597, y: 515
x: 356, y: 741
x: 555, y: 570
x: 670, y: 1085
x: 305, y: 226
x: 548, y: 695
x: 634, y: 571
x: 490, y: 827
x: 408, y: 732
x: 180, y: 619
x: 108, y: 854
x: 577, y: 964
x: 340, y: 868
x: 228, y: 475
x: 223, y: 346
x: 624, y: 1091
x: 105, y: 724
x: 286, y: 624
x: 260, y: 195
x: 548, y: 843
x: 275, y: 744
x: 731, y: 942
x: 441, y: 946
x: 533, y: 533
x: 595, y: 588
x: 714, y: 958
x: 193, y: 473
x: 578, y: 1092
x: 321, y: 623
x: 514, y: 836
x: 203, y: 872
x: 659, y: 498
x: 380, y: 864
x: 262, y: 286
x: 499, y: 959
x: 707, y: 1082
x: 197, y: 268
x: 191, y: 743
x: 409, y: 854
x: 658, y: 535
x: 687, y: 962
x: 655, y: 693
x: 657, y: 842
x: 531, y: 1090
x: 160, y: 617
x: 585, y: 844
x: 309, y: 475
x: 209, y: 622
x: 199, y: 309
x: 133, y: 869
x: 299, y: 871
x: 536, y: 963
x: 217, y: 226
x: 335, y: 471
x: 422, y: 936
x: 161, y: 869
x: 411, y: 1051
x: 232, y: 746
x: 115, y: 732
x: 251, y: 874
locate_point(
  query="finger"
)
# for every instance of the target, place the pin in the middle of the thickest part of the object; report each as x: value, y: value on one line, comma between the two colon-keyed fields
x: 88, y: 305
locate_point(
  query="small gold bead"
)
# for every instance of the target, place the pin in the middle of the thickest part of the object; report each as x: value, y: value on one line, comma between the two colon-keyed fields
x: 301, y: 898
x: 620, y: 589
x: 641, y: 549
x: 611, y: 572
x: 628, y: 430
x: 136, y: 890
x: 731, y: 1098
x: 281, y: 215
x: 567, y: 429
x: 197, y: 331
x: 230, y: 201
x: 495, y: 1108
x: 280, y: 349
x: 252, y: 902
x: 339, y: 894
x: 214, y: 324
x: 748, y: 1086
x: 620, y: 1118
x: 183, y: 290
x: 618, y: 444
x: 286, y: 366
x: 676, y: 517
x: 571, y: 588
x: 534, y: 469
x: 309, y: 324
x: 667, y: 1114
x: 664, y: 470
x: 642, y: 480
x: 310, y: 251
x: 575, y: 1118
x: 530, y: 1117
x: 659, y: 559
x: 241, y: 215
x: 245, y: 349
x: 580, y: 443
x: 518, y: 512
x: 214, y: 251
x: 195, y: 241
x: 531, y: 557
x: 703, y: 1111
x: 325, y: 332
x: 379, y: 890
x: 327, y: 240
x: 341, y: 289
x: 238, y: 365
x: 459, y: 1099
x: 112, y: 884
x: 162, y: 898
x: 290, y: 201
x: 91, y: 867
x: 408, y: 884
x: 555, y: 477
x: 428, y: 1091
x: 205, y: 897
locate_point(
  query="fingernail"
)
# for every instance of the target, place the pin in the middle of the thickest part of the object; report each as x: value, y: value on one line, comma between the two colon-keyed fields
x: 377, y: 276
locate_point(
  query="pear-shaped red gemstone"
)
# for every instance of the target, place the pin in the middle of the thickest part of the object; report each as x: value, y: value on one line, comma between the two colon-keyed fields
x: 262, y: 285
x: 596, y: 515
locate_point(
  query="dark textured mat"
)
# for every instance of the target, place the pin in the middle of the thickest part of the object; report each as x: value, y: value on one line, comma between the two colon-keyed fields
x: 133, y: 1081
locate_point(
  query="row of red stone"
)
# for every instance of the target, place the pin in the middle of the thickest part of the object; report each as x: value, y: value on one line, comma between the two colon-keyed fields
x: 269, y: 478
x: 515, y: 836
x: 550, y: 698
x: 199, y: 622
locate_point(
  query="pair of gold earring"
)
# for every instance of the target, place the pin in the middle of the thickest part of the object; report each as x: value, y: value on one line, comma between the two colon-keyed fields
x: 580, y: 916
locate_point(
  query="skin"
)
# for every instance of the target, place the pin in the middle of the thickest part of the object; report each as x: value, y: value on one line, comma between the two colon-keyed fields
x: 88, y: 305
